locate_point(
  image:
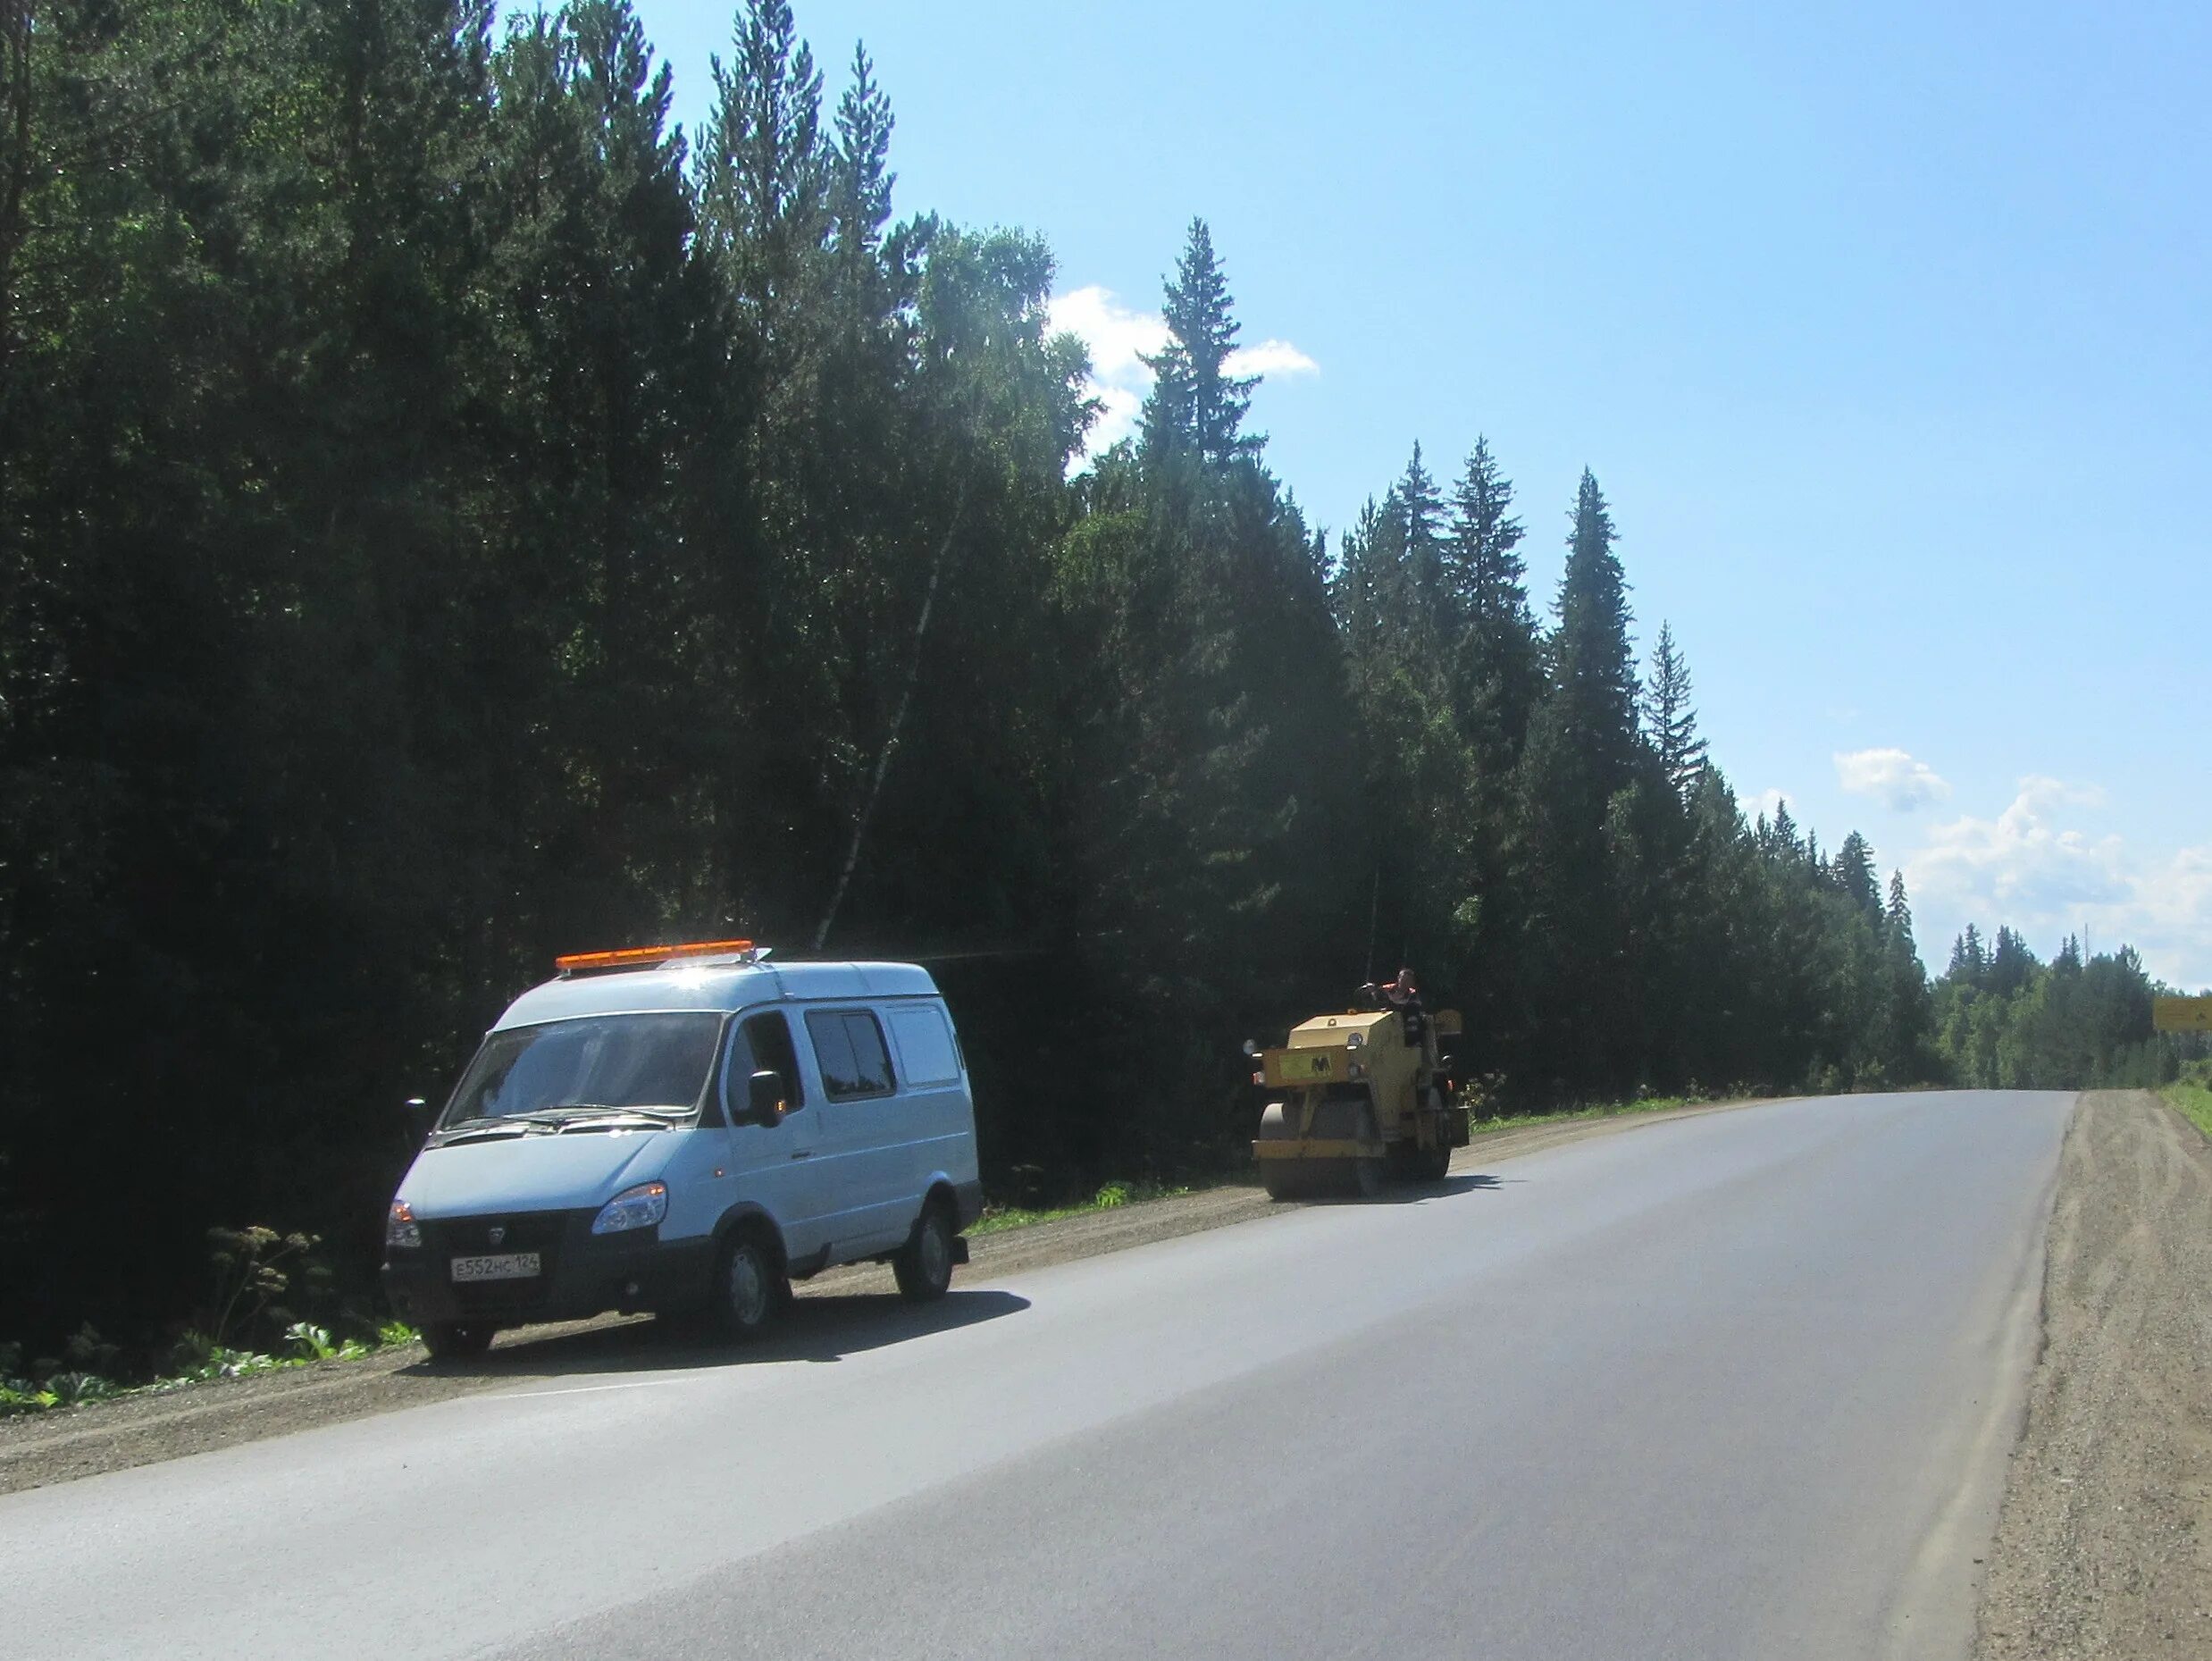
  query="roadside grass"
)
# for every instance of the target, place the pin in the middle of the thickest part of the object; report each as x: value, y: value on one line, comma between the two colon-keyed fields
x: 2192, y: 1093
x: 72, y: 1387
x: 998, y: 1219
x: 1480, y: 1126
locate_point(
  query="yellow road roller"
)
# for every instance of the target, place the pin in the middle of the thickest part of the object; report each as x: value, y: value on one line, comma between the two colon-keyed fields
x: 1365, y: 1099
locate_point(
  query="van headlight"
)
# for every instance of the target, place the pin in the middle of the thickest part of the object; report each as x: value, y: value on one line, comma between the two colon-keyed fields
x: 400, y: 1228
x: 633, y: 1208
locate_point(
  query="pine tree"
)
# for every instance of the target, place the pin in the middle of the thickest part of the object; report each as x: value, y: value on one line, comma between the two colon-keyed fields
x: 1583, y: 753
x: 1593, y: 682
x: 1195, y: 403
x: 1421, y: 505
x: 1669, y: 717
x: 763, y: 171
x: 1969, y: 962
x: 1781, y: 835
x: 1853, y: 871
x: 1898, y: 918
x: 1498, y: 663
x: 2010, y: 965
x: 861, y: 176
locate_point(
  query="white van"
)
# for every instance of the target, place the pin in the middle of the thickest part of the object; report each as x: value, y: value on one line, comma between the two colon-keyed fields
x: 688, y: 1127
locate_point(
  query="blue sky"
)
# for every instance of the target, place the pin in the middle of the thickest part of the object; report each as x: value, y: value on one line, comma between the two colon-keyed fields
x: 1886, y: 334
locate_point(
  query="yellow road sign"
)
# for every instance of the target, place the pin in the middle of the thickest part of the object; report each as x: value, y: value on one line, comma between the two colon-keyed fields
x: 2182, y: 1014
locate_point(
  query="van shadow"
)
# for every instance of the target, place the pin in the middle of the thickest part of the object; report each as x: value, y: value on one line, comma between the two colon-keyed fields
x: 822, y: 1328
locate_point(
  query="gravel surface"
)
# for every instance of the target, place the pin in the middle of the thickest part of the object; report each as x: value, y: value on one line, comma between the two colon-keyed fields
x: 2104, y: 1547
x: 61, y: 1446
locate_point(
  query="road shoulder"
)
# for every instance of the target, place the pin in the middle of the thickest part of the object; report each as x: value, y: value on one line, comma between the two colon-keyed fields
x: 2104, y: 1543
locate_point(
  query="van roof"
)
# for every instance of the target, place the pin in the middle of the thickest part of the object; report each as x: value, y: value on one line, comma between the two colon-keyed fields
x: 719, y: 986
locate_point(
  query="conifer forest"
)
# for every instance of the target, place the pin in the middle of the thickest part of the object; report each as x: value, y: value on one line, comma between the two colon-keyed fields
x: 448, y: 517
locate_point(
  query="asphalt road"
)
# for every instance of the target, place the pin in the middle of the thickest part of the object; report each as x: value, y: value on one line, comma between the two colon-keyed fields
x: 1734, y: 1386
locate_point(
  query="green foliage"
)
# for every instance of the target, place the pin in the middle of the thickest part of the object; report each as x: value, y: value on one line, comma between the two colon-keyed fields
x: 254, y: 1268
x: 998, y: 1218
x: 2004, y: 1021
x: 193, y: 1359
x: 2192, y: 1093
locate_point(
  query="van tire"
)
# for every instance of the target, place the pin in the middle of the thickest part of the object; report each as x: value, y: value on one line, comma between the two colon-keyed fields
x: 457, y: 1341
x: 750, y: 1290
x: 923, y: 1266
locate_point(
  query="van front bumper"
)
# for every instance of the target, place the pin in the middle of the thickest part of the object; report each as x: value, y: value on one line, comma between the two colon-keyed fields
x: 579, y: 1273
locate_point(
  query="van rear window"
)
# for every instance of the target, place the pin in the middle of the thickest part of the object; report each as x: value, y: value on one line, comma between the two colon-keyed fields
x: 924, y: 1043
x: 849, y: 1046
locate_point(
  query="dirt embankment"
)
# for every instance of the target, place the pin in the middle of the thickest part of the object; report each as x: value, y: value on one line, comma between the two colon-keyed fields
x: 112, y: 1436
x: 2104, y: 1547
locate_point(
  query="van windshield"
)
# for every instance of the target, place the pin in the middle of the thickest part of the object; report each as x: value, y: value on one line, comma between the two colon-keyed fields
x: 635, y: 1061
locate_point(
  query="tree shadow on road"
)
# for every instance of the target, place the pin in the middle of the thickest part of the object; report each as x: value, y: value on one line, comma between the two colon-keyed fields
x: 814, y: 1329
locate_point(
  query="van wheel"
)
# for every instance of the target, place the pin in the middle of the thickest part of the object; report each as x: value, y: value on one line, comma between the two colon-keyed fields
x: 924, y: 1265
x: 457, y: 1341
x: 749, y: 1289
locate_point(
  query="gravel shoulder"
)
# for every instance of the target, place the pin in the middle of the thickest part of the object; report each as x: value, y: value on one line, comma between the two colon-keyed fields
x: 2104, y: 1545
x: 61, y: 1446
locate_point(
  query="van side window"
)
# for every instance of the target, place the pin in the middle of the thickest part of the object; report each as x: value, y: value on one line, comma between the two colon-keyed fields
x: 926, y: 1049
x: 764, y: 1044
x: 849, y: 1045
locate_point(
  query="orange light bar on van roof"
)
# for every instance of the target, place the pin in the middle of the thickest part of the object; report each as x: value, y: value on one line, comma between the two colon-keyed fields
x: 631, y: 956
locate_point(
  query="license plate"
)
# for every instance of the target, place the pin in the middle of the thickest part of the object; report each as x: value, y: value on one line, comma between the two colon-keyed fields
x: 508, y: 1266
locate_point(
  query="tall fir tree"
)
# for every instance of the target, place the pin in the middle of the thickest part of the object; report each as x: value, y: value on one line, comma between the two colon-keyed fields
x: 1853, y: 871
x: 1498, y: 661
x: 1670, y: 718
x: 1195, y: 402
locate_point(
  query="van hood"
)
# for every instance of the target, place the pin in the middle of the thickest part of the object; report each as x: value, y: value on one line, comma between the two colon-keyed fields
x: 534, y: 1173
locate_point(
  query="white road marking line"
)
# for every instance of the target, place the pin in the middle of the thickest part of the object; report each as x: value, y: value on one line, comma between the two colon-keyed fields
x: 579, y: 1390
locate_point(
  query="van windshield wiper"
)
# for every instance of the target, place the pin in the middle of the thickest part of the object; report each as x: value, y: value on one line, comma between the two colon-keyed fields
x: 596, y: 1115
x: 482, y: 1127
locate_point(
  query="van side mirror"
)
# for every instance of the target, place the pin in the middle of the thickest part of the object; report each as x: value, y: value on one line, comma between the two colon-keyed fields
x: 417, y: 1112
x: 763, y: 1098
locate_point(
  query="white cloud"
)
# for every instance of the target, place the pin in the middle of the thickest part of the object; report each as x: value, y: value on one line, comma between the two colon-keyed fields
x: 1270, y: 357
x: 1890, y: 776
x: 1119, y: 410
x: 2036, y: 867
x: 1114, y: 333
x: 1119, y: 338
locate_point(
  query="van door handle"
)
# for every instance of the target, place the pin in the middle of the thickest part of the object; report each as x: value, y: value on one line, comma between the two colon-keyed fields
x: 802, y: 1152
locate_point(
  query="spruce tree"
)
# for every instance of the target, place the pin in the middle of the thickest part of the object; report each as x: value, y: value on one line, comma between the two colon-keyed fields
x: 1897, y: 917
x: 1853, y: 871
x: 1970, y: 963
x: 2011, y: 963
x: 1573, y: 834
x: 1421, y: 505
x: 1669, y: 717
x: 1498, y: 663
x: 1593, y: 673
x: 1195, y: 403
x: 763, y: 174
